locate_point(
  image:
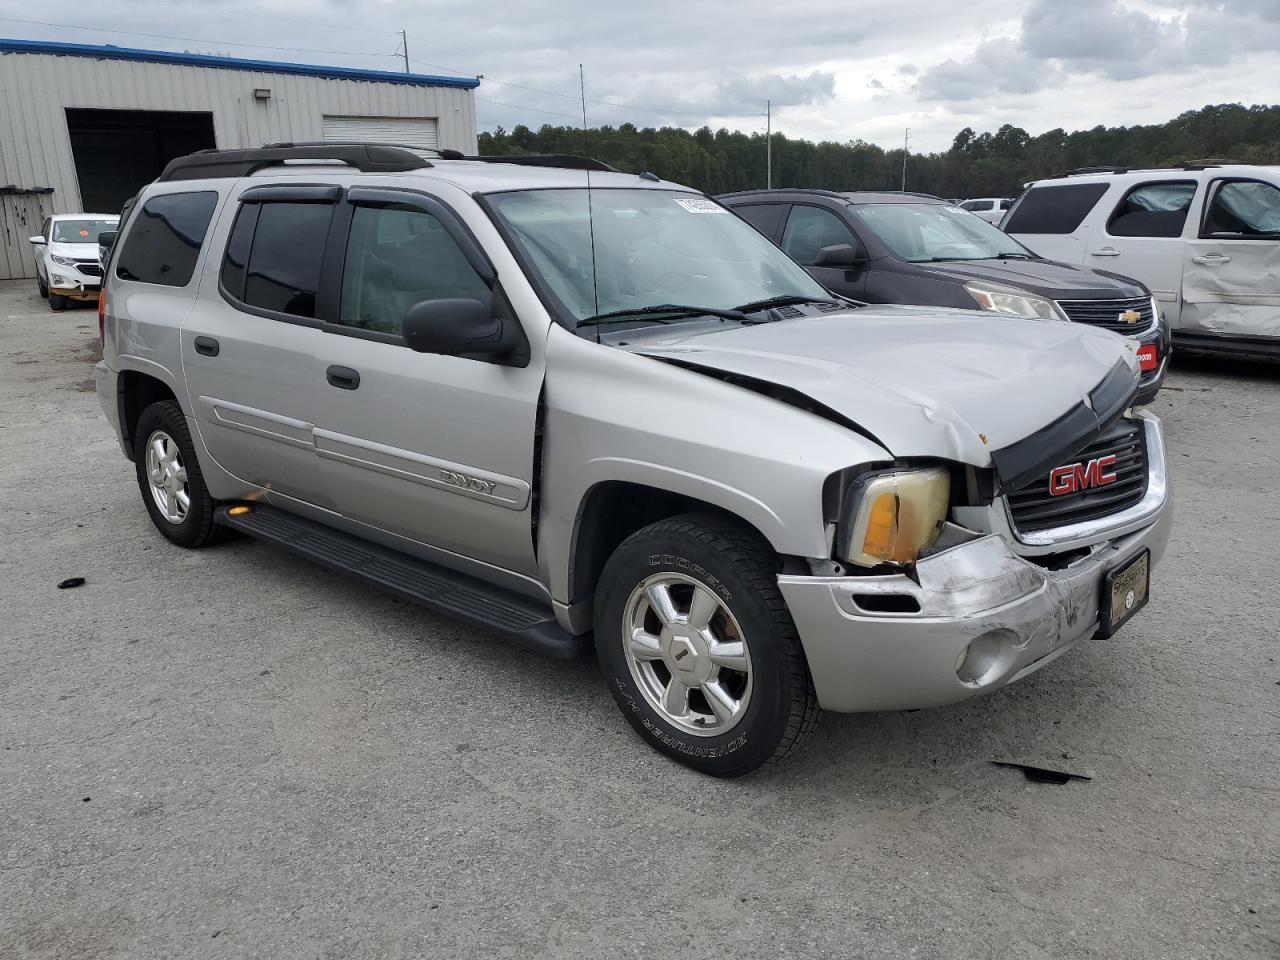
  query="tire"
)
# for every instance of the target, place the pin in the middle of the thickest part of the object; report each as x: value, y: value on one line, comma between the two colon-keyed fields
x: 57, y: 302
x: 163, y: 422
x: 44, y: 291
x: 700, y: 560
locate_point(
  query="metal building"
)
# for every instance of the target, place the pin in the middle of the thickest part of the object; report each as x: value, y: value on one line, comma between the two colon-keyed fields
x: 83, y: 127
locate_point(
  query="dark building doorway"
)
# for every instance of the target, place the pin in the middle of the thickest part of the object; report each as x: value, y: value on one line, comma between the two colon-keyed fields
x: 118, y: 151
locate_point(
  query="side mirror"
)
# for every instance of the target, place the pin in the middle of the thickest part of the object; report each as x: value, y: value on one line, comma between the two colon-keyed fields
x: 463, y: 328
x: 840, y: 255
x: 107, y: 239
x: 38, y: 241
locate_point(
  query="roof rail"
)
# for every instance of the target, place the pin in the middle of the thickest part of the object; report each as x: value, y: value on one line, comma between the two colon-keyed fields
x: 355, y: 143
x: 214, y: 164
x: 1205, y: 164
x: 566, y: 160
x: 805, y: 190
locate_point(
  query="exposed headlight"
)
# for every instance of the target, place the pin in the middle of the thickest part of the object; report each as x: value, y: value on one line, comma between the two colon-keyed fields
x: 64, y: 261
x: 892, y: 516
x: 1013, y: 303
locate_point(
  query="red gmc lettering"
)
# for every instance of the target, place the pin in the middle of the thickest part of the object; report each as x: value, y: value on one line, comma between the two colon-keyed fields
x: 1074, y: 477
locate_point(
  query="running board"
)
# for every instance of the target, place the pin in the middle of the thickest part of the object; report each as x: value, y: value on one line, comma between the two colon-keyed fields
x: 518, y: 618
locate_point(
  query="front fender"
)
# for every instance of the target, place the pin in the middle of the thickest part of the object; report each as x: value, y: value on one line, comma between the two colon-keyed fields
x: 615, y: 416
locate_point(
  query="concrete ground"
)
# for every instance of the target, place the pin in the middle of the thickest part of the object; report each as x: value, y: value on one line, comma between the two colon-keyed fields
x: 232, y: 753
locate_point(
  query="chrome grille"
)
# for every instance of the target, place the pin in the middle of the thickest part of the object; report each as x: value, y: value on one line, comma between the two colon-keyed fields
x: 1034, y: 507
x: 1106, y: 313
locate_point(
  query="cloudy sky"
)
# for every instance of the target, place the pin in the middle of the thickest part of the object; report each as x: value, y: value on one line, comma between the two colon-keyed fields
x: 857, y: 69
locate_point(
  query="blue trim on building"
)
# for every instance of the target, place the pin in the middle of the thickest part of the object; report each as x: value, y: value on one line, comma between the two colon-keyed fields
x: 231, y: 63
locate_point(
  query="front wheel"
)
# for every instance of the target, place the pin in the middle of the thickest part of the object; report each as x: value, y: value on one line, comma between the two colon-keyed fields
x: 57, y: 302
x: 698, y: 648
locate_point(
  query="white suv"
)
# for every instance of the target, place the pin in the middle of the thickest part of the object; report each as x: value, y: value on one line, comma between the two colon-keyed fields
x: 1204, y: 237
x: 990, y: 209
x: 68, y: 264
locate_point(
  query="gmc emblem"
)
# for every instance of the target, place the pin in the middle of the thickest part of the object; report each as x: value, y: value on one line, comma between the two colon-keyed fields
x: 1075, y: 477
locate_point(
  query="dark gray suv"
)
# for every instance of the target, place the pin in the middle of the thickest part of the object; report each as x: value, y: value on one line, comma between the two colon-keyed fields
x: 917, y: 249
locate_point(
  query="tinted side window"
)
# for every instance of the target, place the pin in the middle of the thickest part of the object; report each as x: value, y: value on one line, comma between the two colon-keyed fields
x: 396, y: 257
x: 809, y: 229
x: 765, y: 217
x: 1244, y: 209
x: 283, y: 269
x: 165, y: 237
x: 1054, y: 209
x: 1153, y: 210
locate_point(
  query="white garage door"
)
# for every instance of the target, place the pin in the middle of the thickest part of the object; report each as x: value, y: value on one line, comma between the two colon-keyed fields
x: 410, y: 131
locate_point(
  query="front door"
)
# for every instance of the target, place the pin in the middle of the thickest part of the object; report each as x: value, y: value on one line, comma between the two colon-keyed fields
x: 438, y: 449
x: 1231, y: 278
x: 808, y: 230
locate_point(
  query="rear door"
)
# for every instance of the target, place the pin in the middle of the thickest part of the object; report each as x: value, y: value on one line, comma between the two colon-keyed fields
x: 1231, y: 278
x: 808, y: 230
x: 768, y: 218
x: 249, y: 345
x: 1145, y: 234
x: 437, y: 449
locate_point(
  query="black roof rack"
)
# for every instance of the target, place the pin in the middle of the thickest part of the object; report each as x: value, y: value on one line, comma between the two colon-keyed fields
x: 1206, y: 164
x: 566, y: 160
x: 833, y: 194
x: 366, y: 157
x: 355, y: 143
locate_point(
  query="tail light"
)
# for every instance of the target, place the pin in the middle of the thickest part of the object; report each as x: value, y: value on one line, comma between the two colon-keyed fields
x: 102, y: 317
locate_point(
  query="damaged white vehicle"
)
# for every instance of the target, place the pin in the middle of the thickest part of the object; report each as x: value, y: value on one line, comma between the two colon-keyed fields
x: 68, y: 266
x: 1204, y: 237
x: 582, y: 407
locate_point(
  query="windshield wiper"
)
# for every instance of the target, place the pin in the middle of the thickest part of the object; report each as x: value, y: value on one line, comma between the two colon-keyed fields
x: 679, y: 310
x: 1014, y: 256
x: 787, y: 300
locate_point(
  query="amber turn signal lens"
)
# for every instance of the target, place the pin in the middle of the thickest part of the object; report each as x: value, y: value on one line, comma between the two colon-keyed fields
x: 239, y: 511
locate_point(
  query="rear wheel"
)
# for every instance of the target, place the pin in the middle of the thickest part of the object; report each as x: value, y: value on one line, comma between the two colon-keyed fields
x: 57, y: 302
x: 170, y: 479
x: 698, y: 647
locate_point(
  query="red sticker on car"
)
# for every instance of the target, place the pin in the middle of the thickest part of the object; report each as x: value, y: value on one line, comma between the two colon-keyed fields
x: 1147, y: 357
x: 84, y: 233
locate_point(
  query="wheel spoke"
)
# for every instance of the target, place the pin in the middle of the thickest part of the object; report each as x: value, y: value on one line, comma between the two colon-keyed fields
x: 732, y: 656
x: 702, y: 608
x: 180, y: 474
x: 182, y: 501
x: 157, y: 448
x: 722, y: 704
x: 660, y: 600
x: 644, y: 646
x: 676, y: 699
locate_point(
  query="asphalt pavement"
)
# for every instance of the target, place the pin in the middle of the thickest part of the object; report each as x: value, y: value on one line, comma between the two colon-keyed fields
x: 233, y: 753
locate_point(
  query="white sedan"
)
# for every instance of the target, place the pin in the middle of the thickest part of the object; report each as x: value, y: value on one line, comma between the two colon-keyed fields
x: 66, y: 254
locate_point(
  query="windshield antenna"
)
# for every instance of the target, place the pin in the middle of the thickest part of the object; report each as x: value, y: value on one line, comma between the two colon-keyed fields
x: 591, y: 223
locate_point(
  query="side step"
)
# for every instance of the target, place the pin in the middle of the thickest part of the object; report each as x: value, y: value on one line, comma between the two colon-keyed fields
x: 518, y: 618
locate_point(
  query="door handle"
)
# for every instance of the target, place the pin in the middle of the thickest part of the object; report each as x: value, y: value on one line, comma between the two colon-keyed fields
x: 1105, y: 252
x: 207, y: 346
x: 344, y: 378
x: 1211, y: 259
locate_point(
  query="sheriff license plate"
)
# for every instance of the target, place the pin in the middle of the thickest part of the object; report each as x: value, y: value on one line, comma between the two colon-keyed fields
x: 1125, y: 591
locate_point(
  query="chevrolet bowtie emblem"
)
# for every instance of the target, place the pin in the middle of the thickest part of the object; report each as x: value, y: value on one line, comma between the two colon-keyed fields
x: 1129, y: 316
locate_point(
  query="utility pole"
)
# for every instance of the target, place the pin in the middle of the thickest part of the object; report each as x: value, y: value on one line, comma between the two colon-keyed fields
x: 768, y: 141
x: 404, y: 45
x: 905, y: 140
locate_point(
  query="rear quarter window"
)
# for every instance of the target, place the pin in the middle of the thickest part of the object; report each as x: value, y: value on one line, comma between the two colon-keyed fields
x: 765, y: 217
x: 165, y: 238
x: 1057, y: 209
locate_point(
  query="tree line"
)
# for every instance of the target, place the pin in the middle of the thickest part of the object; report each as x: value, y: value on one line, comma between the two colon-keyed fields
x: 977, y: 164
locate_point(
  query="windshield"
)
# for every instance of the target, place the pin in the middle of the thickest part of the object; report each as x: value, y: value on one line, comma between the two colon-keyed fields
x: 920, y: 232
x: 80, y: 231
x: 652, y: 247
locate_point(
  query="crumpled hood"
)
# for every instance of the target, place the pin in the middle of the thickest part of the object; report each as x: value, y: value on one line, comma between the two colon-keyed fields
x: 924, y: 381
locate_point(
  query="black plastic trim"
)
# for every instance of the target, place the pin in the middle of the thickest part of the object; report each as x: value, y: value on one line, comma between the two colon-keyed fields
x: 221, y: 164
x: 1038, y: 453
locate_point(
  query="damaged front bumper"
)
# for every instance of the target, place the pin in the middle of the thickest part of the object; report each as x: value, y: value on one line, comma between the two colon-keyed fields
x: 979, y: 617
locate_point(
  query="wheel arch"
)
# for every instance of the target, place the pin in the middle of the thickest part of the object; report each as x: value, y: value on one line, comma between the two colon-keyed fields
x: 137, y: 391
x: 612, y: 510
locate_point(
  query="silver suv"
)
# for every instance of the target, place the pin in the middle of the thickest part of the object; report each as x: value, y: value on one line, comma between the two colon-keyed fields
x: 565, y: 402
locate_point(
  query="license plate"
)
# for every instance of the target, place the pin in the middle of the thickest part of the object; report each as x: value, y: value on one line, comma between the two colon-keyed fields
x: 1148, y: 358
x: 1124, y: 592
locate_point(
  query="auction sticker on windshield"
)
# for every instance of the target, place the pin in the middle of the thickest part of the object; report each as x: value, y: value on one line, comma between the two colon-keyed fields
x: 700, y: 205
